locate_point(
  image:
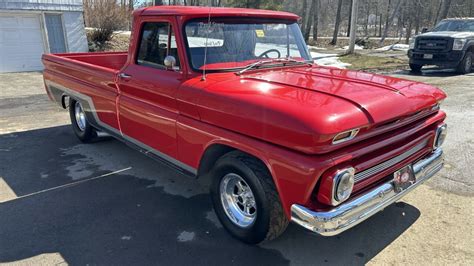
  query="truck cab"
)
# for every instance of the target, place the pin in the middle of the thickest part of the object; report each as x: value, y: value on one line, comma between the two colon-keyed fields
x: 450, y: 44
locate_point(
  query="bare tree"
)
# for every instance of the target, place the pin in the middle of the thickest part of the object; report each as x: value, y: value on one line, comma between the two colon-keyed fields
x: 384, y: 18
x: 367, y: 17
x: 303, y: 13
x: 317, y: 7
x: 438, y: 12
x: 354, y: 27
x: 445, y: 10
x: 337, y: 23
x: 309, y: 21
x: 470, y: 8
x: 390, y: 21
x: 350, y: 19
x: 105, y: 17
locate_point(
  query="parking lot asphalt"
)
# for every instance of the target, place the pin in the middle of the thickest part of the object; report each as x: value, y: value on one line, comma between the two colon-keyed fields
x: 64, y: 202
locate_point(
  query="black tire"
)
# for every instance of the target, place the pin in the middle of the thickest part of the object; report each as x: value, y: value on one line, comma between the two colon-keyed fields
x: 465, y: 66
x: 87, y: 134
x: 416, y: 68
x: 270, y: 221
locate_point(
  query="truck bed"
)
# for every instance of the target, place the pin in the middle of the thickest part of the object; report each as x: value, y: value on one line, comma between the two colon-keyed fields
x: 113, y: 61
x: 91, y: 74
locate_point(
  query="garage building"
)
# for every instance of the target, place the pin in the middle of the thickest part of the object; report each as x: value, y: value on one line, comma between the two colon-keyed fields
x: 29, y: 28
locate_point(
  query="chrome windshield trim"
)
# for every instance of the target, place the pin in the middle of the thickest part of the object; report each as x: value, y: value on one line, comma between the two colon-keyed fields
x: 355, y: 211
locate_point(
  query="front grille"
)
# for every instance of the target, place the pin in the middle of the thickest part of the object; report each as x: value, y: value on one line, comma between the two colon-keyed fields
x: 432, y: 44
x: 389, y: 163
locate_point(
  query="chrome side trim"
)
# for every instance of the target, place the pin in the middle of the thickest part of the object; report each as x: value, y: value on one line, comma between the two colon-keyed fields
x: 389, y: 163
x: 117, y: 133
x: 355, y: 211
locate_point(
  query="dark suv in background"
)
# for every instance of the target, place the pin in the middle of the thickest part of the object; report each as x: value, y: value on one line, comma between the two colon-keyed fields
x: 450, y: 44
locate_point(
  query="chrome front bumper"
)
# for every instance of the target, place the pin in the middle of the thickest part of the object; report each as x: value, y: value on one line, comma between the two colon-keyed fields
x: 353, y: 212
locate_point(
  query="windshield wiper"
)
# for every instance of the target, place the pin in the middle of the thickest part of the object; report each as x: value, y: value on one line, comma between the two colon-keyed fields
x: 272, y: 61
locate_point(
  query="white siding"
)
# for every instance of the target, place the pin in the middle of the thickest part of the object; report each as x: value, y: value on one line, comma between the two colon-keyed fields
x: 75, y: 32
x: 56, y: 5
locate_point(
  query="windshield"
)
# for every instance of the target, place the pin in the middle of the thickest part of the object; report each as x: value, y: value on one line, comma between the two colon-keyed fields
x: 234, y: 45
x: 455, y: 25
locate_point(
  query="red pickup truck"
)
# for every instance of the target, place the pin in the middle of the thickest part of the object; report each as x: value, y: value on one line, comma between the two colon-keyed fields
x: 233, y: 95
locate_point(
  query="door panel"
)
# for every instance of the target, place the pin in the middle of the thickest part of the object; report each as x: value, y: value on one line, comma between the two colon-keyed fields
x: 54, y: 25
x: 147, y: 102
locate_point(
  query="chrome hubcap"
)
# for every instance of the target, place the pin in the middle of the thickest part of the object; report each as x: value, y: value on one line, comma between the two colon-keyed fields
x: 238, y: 200
x: 80, y: 116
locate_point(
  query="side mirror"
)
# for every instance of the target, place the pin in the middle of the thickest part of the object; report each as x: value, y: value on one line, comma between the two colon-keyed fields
x: 424, y: 30
x: 170, y: 62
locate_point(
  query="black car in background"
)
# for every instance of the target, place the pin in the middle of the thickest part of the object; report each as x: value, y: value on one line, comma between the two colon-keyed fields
x: 449, y: 45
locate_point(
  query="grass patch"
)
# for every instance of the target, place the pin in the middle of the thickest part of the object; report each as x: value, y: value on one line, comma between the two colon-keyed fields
x: 374, y: 63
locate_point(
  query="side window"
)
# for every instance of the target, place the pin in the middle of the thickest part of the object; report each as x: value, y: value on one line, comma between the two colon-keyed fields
x: 157, y: 41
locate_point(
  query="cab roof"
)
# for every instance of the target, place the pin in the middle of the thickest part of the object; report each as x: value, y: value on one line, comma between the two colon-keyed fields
x: 201, y: 11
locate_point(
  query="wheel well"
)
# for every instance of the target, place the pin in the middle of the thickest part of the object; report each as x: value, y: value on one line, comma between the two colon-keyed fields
x: 214, y: 153
x: 210, y: 156
x: 65, y: 101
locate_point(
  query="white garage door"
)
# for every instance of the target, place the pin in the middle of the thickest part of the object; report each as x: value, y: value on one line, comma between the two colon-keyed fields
x: 21, y: 42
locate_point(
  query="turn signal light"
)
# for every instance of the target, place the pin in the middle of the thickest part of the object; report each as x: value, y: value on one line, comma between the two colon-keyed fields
x: 345, y: 136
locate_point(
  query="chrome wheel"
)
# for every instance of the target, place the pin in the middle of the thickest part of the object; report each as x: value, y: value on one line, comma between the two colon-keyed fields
x: 80, y: 116
x: 238, y: 200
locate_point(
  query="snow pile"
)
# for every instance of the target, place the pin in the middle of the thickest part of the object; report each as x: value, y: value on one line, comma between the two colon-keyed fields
x: 311, y: 47
x: 328, y: 60
x: 394, y: 47
x: 123, y: 32
x: 356, y: 47
x: 119, y: 32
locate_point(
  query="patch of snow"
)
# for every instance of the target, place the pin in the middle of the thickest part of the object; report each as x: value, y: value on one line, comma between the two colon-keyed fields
x: 121, y: 32
x: 356, y: 47
x: 328, y: 60
x: 394, y: 47
x: 316, y: 47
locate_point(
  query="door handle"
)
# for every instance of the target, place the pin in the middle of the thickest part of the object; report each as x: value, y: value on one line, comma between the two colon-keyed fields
x: 124, y: 76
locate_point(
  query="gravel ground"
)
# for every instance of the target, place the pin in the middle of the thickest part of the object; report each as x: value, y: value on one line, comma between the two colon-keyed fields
x: 63, y: 202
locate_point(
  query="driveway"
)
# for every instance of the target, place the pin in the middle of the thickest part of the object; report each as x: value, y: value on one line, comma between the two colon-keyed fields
x: 62, y: 201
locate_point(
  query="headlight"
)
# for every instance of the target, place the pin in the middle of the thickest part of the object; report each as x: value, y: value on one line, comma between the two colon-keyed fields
x: 458, y: 44
x: 411, y: 44
x: 342, y: 185
x: 440, y: 136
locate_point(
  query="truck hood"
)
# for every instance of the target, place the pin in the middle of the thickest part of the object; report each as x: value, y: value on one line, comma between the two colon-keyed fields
x: 304, y: 108
x: 452, y: 34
